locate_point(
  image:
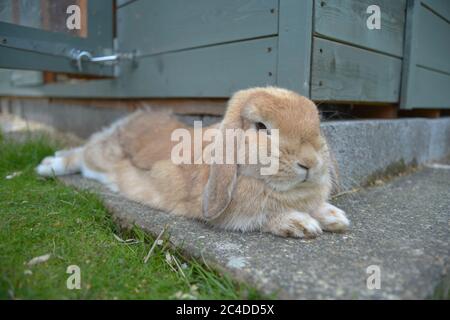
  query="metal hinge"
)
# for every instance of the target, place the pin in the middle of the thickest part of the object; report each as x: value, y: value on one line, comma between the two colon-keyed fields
x: 80, y: 56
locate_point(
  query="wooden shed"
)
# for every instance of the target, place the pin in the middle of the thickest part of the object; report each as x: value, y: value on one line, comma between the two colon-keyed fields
x: 207, y: 49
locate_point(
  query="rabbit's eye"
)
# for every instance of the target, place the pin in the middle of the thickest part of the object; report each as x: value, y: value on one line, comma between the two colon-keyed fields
x: 260, y: 126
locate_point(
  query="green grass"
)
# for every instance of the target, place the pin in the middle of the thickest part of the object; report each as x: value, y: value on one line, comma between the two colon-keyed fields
x: 40, y: 216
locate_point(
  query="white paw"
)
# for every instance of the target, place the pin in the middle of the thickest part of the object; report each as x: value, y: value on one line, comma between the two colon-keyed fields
x: 51, y: 166
x: 332, y: 218
x: 300, y: 225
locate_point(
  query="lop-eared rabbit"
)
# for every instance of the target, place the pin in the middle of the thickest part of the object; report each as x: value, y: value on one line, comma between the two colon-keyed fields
x: 133, y: 157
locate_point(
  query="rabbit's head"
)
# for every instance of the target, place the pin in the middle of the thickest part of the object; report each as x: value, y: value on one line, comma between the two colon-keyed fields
x: 301, y: 150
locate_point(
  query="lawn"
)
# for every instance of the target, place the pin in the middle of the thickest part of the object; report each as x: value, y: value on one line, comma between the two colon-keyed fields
x: 44, y: 217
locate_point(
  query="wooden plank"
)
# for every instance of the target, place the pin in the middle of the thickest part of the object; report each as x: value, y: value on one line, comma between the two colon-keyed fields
x: 441, y: 7
x: 294, y: 45
x: 216, y: 71
x: 430, y: 89
x: 345, y: 73
x: 167, y: 25
x: 345, y: 20
x: 433, y: 38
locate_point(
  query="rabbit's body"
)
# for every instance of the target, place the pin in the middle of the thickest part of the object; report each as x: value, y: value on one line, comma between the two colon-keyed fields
x: 133, y: 157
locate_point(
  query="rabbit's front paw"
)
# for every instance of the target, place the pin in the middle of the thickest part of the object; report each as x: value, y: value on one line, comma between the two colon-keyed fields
x: 296, y: 224
x: 331, y: 218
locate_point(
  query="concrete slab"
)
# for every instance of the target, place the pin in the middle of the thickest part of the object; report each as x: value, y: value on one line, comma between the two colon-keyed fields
x: 401, y: 227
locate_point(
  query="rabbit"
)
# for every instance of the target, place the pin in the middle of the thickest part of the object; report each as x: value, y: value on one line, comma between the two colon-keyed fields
x: 133, y: 157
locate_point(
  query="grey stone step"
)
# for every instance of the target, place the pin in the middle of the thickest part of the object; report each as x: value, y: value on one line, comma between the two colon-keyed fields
x: 402, y: 227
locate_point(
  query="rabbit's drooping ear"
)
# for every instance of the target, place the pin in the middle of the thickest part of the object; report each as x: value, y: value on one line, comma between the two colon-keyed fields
x: 219, y: 189
x: 222, y: 177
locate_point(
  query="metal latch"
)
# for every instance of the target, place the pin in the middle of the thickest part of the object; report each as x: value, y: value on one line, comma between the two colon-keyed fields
x: 78, y: 56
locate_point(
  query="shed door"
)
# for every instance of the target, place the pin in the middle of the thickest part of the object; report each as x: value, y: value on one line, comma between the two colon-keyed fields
x: 46, y: 35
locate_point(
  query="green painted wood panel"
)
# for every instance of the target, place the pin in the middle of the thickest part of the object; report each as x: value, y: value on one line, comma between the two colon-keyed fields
x: 426, y: 66
x: 168, y: 25
x: 294, y: 45
x: 433, y: 33
x: 215, y: 71
x: 430, y: 89
x: 441, y: 7
x: 345, y: 73
x: 345, y: 20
